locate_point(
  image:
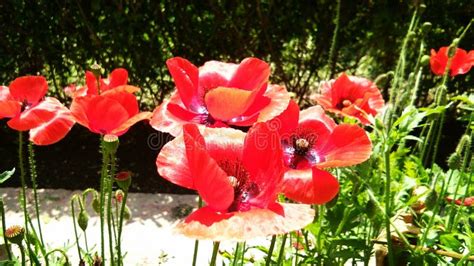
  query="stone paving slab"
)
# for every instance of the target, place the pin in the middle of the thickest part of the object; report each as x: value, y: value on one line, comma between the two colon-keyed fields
x: 148, y: 237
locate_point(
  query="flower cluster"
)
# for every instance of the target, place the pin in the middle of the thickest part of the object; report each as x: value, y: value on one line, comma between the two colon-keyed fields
x: 241, y: 141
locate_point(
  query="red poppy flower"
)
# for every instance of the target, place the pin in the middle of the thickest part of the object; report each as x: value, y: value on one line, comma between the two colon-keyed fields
x: 46, y: 118
x: 238, y: 176
x: 312, y: 141
x: 461, y: 62
x: 117, y: 78
x: 351, y: 96
x: 112, y: 112
x: 469, y: 201
x: 219, y: 95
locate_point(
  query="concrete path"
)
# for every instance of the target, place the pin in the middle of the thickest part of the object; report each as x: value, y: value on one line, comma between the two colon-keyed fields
x: 148, y: 237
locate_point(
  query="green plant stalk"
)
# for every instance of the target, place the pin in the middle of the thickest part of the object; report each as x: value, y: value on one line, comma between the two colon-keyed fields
x: 243, y: 253
x: 270, y: 251
x: 33, y: 175
x: 391, y: 258
x: 332, y: 50
x: 215, y: 250
x: 23, y: 185
x: 236, y: 254
x: 453, y: 210
x: 60, y: 252
x: 120, y: 226
x: 434, y: 211
x: 22, y: 252
x: 466, y: 191
x: 73, y: 212
x: 110, y: 223
x: 4, y: 228
x: 196, y: 242
x: 282, y: 249
x: 103, y: 179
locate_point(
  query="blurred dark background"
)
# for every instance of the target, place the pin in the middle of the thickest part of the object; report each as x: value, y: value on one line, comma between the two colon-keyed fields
x: 61, y: 39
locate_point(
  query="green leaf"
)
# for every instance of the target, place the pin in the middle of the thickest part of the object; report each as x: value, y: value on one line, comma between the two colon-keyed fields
x: 450, y: 242
x: 6, y: 175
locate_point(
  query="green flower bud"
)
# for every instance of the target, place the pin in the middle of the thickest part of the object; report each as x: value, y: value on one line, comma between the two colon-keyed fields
x: 425, y: 60
x: 371, y: 209
x: 452, y: 49
x: 96, y: 203
x: 124, y: 179
x: 426, y: 27
x: 127, y: 214
x: 83, y: 220
x: 454, y: 161
x: 431, y: 199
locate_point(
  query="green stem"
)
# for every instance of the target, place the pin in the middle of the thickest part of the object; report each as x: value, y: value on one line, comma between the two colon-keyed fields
x: 236, y: 254
x: 61, y: 252
x: 332, y: 50
x: 4, y: 228
x: 215, y: 250
x: 282, y: 249
x: 270, y: 250
x: 23, y: 185
x: 73, y: 212
x: 434, y: 211
x: 196, y: 242
x: 33, y: 175
x: 22, y: 251
x: 391, y: 258
x: 109, y: 220
x: 103, y: 178
x: 120, y: 226
x: 243, y: 254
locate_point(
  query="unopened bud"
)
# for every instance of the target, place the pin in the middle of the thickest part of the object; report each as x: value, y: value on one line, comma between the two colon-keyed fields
x: 425, y: 60
x: 464, y: 144
x: 96, y: 203
x: 96, y: 69
x: 452, y: 50
x: 119, y: 196
x: 454, y: 161
x: 83, y: 220
x: 431, y: 199
x: 124, y: 179
x: 426, y: 27
x: 127, y: 214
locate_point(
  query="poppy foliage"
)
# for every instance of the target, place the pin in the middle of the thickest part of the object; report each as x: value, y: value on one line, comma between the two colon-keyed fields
x: 24, y: 102
x: 219, y: 94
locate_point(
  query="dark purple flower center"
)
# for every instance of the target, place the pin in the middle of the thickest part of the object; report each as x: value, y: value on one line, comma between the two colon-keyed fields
x: 25, y: 105
x: 299, y: 149
x: 244, y: 188
x: 343, y: 103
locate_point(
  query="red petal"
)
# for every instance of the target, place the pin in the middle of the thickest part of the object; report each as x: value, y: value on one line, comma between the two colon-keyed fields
x: 186, y: 78
x: 215, y: 74
x: 438, y: 61
x: 171, y: 119
x: 347, y: 145
x: 224, y: 143
x: 79, y: 107
x: 118, y: 77
x: 29, y: 88
x: 279, y: 102
x: 207, y: 216
x: 8, y: 106
x: 130, y: 122
x: 251, y: 74
x: 242, y: 226
x: 226, y: 103
x: 262, y: 158
x: 54, y: 129
x: 172, y: 163
x: 317, y: 113
x: 30, y: 118
x: 210, y: 180
x: 127, y: 100
x: 287, y: 121
x: 91, y: 83
x: 310, y: 186
x: 461, y: 62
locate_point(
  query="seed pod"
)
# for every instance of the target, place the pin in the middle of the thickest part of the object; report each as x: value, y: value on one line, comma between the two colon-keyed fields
x: 83, y: 220
x: 96, y: 69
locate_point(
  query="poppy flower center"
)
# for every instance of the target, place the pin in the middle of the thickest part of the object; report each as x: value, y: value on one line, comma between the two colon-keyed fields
x: 25, y: 105
x: 344, y: 103
x: 244, y: 188
x: 301, y: 146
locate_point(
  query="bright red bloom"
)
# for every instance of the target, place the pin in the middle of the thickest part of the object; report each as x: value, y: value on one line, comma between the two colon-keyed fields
x: 461, y: 62
x: 312, y: 141
x: 46, y: 118
x: 219, y: 95
x: 117, y: 78
x: 112, y: 112
x: 469, y: 201
x: 351, y: 96
x: 238, y: 176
